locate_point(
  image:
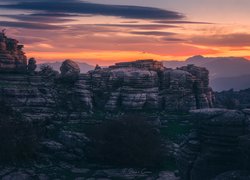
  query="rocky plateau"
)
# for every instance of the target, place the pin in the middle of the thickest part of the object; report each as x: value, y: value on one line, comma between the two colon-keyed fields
x: 217, y: 145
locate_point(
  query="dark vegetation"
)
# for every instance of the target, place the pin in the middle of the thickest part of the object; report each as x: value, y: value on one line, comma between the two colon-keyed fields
x: 19, y: 138
x: 175, y: 131
x: 233, y: 99
x: 48, y: 72
x: 130, y: 141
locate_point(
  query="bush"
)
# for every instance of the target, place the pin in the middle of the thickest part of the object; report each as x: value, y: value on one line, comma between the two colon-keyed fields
x: 130, y: 141
x: 18, y: 137
x: 48, y: 71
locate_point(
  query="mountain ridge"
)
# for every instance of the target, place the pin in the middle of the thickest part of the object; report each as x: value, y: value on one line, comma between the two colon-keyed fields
x: 220, y: 68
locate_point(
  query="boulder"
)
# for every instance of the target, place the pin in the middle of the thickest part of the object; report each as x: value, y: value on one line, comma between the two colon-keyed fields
x: 70, y: 69
x: 32, y: 65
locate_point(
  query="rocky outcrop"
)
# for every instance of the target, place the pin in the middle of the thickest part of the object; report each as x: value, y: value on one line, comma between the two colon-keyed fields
x: 12, y: 58
x: 32, y: 65
x: 144, y: 85
x: 30, y: 95
x: 39, y: 99
x: 214, y: 146
x: 147, y: 85
x: 70, y: 69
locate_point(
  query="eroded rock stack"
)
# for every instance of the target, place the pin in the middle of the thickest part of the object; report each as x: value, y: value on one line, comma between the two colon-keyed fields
x: 147, y: 85
x: 12, y: 58
x: 214, y: 146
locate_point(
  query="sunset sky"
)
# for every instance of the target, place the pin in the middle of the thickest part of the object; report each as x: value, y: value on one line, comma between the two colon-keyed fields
x: 107, y: 31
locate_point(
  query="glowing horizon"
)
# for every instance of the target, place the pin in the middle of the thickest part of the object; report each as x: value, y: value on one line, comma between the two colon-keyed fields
x: 106, y: 31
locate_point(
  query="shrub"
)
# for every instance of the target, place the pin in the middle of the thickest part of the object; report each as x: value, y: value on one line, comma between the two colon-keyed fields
x: 18, y: 137
x: 48, y: 71
x: 130, y: 141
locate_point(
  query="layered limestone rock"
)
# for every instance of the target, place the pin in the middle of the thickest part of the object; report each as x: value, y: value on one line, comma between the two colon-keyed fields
x: 177, y: 91
x: 204, y: 97
x: 148, y: 64
x: 12, y: 58
x: 125, y: 88
x: 30, y: 95
x: 147, y: 85
x: 213, y: 147
x: 39, y: 99
x: 144, y: 85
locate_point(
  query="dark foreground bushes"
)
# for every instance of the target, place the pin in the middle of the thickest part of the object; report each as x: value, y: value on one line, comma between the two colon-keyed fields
x: 18, y: 138
x: 130, y: 141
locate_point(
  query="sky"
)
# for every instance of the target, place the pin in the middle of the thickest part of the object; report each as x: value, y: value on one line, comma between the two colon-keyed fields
x: 107, y: 31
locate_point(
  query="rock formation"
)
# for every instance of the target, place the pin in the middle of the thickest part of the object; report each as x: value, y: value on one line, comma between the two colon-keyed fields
x: 214, y: 146
x: 32, y: 65
x: 147, y: 85
x: 12, y: 58
x: 70, y: 69
x: 144, y: 85
x: 31, y: 95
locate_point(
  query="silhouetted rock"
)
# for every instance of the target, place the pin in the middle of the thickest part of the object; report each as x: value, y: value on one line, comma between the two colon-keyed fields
x: 97, y: 67
x: 32, y: 65
x: 70, y: 69
x: 12, y: 57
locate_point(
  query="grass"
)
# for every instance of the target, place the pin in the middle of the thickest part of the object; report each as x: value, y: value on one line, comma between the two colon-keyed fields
x: 5, y: 85
x: 174, y: 130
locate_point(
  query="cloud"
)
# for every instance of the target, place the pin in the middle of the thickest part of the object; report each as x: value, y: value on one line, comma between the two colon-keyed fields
x: 175, y: 40
x: 226, y: 40
x: 80, y: 7
x: 28, y: 25
x: 180, y: 22
x: 152, y: 33
x: 52, y: 18
x: 139, y: 26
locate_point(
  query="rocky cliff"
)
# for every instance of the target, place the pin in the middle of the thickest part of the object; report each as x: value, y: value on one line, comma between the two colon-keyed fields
x: 147, y: 85
x: 12, y: 58
x: 144, y: 85
x: 218, y: 143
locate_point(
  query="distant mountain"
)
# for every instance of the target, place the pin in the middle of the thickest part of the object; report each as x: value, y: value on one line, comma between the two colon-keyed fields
x: 84, y: 67
x: 225, y: 72
x: 236, y: 83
